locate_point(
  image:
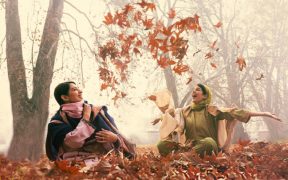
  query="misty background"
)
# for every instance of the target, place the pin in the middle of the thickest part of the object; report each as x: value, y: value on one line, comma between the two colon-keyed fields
x: 256, y: 30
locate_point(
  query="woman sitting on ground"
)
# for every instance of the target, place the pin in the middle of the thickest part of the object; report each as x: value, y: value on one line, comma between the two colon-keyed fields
x: 201, y: 126
x: 79, y: 129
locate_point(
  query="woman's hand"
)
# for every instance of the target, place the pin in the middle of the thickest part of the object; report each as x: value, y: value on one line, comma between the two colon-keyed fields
x: 273, y: 116
x: 86, y: 111
x: 106, y: 136
x: 155, y: 121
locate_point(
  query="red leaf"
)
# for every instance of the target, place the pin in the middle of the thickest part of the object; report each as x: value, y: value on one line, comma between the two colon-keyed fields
x: 104, y: 86
x: 152, y: 98
x: 136, y: 51
x: 138, y: 43
x: 241, y: 62
x: 212, y: 46
x: 218, y: 25
x: 145, y: 5
x: 147, y: 23
x: 163, y: 62
x: 66, y: 167
x: 209, y: 55
x: 171, y: 13
x: 179, y: 69
x: 128, y: 8
x: 138, y: 16
x: 109, y: 19
x: 244, y: 142
x: 213, y: 65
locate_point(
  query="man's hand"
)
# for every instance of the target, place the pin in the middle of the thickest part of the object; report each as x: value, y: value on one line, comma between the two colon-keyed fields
x: 106, y: 136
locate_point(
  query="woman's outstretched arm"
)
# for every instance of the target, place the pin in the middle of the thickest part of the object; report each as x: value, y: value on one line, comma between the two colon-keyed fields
x: 265, y: 114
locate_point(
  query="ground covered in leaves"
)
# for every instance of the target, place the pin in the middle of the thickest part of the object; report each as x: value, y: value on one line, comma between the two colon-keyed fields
x: 245, y: 161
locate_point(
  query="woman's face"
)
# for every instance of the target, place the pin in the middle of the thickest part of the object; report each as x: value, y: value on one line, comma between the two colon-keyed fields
x: 197, y: 95
x: 74, y: 94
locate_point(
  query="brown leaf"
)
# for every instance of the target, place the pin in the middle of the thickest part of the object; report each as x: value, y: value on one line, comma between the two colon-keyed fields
x: 260, y: 77
x: 209, y: 55
x: 189, y: 80
x: 241, y: 62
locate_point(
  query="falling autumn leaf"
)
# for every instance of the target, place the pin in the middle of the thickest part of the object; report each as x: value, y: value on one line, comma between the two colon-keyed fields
x: 209, y: 55
x: 179, y: 69
x: 171, y: 13
x: 212, y: 46
x: 260, y: 77
x: 189, y: 80
x: 218, y: 25
x: 109, y: 19
x: 152, y: 97
x: 241, y: 62
x: 213, y: 65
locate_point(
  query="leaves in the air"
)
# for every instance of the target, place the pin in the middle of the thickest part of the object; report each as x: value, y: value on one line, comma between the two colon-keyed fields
x: 241, y: 63
x: 180, y: 68
x: 218, y: 25
x: 171, y: 13
x: 260, y: 77
x: 109, y: 19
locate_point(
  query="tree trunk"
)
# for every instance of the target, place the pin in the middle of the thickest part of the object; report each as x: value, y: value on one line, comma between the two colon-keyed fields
x: 30, y: 115
x: 171, y: 85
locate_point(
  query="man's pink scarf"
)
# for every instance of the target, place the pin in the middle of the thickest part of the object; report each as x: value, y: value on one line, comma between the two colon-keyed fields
x: 73, y: 110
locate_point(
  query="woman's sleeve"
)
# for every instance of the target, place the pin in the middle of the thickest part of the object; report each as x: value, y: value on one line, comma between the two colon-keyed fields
x: 233, y: 113
x: 77, y: 137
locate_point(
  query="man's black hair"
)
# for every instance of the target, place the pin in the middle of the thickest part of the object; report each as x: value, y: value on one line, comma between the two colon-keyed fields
x: 62, y: 89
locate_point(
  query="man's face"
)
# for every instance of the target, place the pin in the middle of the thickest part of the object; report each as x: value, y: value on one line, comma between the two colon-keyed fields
x: 74, y: 94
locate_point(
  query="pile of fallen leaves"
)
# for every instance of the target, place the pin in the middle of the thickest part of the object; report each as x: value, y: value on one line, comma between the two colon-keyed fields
x: 245, y: 161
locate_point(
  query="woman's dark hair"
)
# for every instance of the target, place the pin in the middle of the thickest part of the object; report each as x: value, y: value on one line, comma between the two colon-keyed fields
x: 203, y: 89
x: 62, y: 89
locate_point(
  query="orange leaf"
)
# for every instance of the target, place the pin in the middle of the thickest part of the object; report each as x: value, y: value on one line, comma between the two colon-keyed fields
x: 218, y: 25
x: 213, y: 65
x: 171, y: 13
x: 108, y: 19
x: 152, y: 98
x: 244, y: 142
x: 147, y: 5
x: 128, y: 8
x: 179, y: 69
x: 103, y: 86
x: 66, y: 167
x: 167, y: 31
x: 241, y: 62
x: 163, y: 62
